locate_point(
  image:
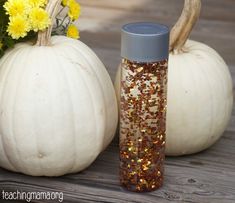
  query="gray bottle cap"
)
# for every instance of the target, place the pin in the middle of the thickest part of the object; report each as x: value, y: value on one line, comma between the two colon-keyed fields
x: 145, y: 42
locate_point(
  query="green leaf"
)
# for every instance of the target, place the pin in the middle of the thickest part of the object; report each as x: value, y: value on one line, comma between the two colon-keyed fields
x: 8, y: 42
x: 1, y: 53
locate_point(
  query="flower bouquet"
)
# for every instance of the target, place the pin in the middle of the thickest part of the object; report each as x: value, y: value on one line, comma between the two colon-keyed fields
x: 21, y: 20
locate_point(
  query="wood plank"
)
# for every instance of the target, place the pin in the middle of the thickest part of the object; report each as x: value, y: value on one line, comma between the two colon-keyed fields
x: 117, y: 15
x: 211, y: 9
x: 187, y: 179
x: 110, y: 21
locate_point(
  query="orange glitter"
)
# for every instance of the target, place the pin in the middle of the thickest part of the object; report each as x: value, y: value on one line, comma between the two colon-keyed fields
x: 142, y: 124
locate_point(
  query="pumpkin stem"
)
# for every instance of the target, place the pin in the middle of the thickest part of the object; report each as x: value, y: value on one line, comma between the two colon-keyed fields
x: 45, y: 36
x: 182, y: 29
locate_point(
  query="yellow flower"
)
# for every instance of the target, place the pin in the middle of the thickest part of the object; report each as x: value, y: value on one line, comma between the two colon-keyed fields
x: 65, y: 2
x: 74, y: 10
x: 18, y: 27
x: 37, y: 3
x: 16, y: 7
x: 73, y: 32
x: 1, y: 45
x: 39, y: 19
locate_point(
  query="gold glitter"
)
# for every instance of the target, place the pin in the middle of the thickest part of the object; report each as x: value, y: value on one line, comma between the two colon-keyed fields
x: 159, y: 173
x: 149, y: 131
x: 134, y: 65
x: 140, y: 69
x: 145, y: 168
x: 142, y: 124
x: 138, y: 188
x: 158, y: 87
x: 133, y: 173
x: 130, y: 143
x: 143, y: 182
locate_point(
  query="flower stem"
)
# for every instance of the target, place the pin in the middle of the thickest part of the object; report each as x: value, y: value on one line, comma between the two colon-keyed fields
x: 44, y: 37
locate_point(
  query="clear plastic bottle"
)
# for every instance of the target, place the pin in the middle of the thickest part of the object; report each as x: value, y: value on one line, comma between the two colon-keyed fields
x: 143, y: 100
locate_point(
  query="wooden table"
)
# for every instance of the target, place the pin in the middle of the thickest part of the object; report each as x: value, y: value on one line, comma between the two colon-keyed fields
x: 205, y: 177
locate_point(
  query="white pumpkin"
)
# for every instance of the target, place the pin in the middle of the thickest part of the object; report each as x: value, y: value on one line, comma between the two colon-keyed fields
x: 200, y: 99
x: 200, y: 90
x: 58, y: 108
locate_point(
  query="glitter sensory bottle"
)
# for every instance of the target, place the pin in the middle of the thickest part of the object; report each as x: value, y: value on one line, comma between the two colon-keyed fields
x: 143, y: 99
